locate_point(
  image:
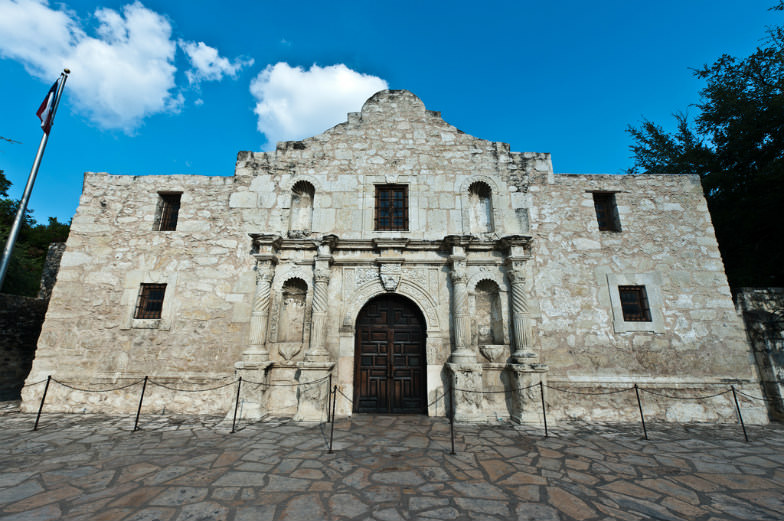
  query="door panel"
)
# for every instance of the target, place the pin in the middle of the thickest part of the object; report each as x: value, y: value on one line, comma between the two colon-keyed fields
x: 390, y: 357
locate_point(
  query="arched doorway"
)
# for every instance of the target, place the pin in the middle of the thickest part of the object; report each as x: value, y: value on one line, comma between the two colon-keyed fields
x: 389, y: 357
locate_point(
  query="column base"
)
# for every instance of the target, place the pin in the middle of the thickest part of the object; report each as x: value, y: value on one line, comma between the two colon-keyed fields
x: 466, y: 387
x: 526, y: 400
x: 252, y: 397
x: 312, y: 399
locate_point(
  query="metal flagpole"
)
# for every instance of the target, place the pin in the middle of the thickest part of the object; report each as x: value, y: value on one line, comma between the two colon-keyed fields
x: 17, y: 225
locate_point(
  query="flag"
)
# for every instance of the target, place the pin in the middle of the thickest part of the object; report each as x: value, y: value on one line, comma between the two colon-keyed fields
x: 47, y: 108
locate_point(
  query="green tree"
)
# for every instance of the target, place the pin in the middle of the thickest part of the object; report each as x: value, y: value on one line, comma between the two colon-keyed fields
x: 27, y: 260
x: 736, y: 146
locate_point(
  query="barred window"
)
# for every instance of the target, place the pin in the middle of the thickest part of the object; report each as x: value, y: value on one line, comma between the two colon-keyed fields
x: 606, y: 212
x: 150, y: 302
x: 634, y: 303
x: 391, y: 207
x: 167, y: 212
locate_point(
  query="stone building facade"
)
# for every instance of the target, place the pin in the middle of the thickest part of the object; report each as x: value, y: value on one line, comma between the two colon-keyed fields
x: 421, y: 268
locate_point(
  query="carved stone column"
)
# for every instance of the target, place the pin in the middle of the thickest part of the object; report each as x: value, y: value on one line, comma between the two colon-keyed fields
x: 464, y: 371
x: 317, y: 351
x: 313, y: 388
x: 521, y: 319
x: 255, y: 363
x: 257, y: 350
x: 526, y: 400
x: 461, y: 318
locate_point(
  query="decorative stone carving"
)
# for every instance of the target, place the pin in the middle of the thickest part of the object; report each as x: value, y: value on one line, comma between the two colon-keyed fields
x: 390, y: 276
x: 520, y: 318
x: 365, y: 275
x: 492, y: 352
x: 460, y: 314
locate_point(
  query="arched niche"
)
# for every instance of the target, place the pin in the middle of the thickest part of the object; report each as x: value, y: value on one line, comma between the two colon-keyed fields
x: 488, y: 319
x: 480, y: 208
x: 291, y: 312
x: 301, y: 213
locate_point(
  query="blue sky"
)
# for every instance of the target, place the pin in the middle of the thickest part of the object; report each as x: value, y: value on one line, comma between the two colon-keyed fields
x: 180, y: 87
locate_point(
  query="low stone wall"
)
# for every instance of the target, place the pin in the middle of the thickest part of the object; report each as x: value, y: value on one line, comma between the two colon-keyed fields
x: 20, y: 324
x: 763, y: 312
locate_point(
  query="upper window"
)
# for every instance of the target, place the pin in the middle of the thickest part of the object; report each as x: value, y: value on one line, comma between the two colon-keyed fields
x: 301, y: 218
x: 634, y: 303
x: 150, y: 301
x: 167, y: 212
x: 606, y: 212
x: 391, y: 207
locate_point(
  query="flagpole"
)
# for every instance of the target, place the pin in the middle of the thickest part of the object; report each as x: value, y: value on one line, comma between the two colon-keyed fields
x: 17, y: 225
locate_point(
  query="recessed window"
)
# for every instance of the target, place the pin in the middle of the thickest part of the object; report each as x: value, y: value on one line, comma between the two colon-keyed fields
x: 167, y: 212
x: 391, y: 207
x: 606, y: 212
x: 150, y: 302
x: 634, y: 303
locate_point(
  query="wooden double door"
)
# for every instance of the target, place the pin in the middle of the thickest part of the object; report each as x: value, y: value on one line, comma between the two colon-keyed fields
x: 389, y: 358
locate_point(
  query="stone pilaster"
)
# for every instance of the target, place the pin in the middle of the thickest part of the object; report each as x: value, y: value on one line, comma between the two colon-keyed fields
x: 313, y: 390
x: 526, y: 398
x: 465, y: 381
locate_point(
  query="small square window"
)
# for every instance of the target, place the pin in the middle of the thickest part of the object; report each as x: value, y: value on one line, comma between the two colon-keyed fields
x: 634, y: 303
x: 150, y: 302
x: 167, y: 212
x: 606, y: 212
x: 391, y: 207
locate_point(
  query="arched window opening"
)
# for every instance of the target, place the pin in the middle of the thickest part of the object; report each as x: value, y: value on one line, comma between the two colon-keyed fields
x: 480, y: 207
x: 292, y: 311
x: 302, y: 194
x: 487, y: 316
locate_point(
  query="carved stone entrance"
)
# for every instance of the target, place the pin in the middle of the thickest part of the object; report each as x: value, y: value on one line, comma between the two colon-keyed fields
x: 389, y: 357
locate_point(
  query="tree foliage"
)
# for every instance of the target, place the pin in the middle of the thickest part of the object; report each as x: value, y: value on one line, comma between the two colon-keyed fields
x: 736, y: 146
x: 27, y: 260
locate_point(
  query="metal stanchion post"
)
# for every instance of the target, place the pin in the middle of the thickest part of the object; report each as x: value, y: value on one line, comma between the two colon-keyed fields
x: 740, y: 417
x: 639, y: 404
x: 139, y: 410
x: 40, y: 408
x: 332, y: 428
x: 452, y: 422
x: 236, y: 404
x: 544, y: 409
x: 329, y: 398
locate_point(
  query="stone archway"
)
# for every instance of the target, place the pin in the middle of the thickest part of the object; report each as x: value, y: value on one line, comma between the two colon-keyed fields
x: 389, y: 357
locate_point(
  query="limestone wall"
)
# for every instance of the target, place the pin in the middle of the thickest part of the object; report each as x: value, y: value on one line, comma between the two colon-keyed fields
x: 306, y: 191
x: 695, y: 339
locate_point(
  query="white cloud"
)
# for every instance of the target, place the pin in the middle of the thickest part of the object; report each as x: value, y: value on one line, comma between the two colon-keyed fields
x: 121, y: 75
x: 293, y: 103
x: 208, y: 65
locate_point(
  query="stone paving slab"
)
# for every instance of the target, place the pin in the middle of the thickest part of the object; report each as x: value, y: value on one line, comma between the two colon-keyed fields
x: 385, y: 468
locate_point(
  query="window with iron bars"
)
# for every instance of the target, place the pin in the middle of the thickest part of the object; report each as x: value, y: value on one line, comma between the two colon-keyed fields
x: 150, y: 301
x: 634, y: 303
x: 606, y: 212
x: 391, y: 207
x: 167, y: 213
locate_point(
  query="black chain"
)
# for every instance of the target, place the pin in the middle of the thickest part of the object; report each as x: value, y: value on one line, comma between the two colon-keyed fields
x: 69, y: 386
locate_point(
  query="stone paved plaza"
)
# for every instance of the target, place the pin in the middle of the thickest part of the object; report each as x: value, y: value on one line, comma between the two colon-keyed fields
x: 384, y: 468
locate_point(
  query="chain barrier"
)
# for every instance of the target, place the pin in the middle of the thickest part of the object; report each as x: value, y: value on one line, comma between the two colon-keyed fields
x: 768, y: 400
x: 687, y: 398
x: 259, y: 384
x: 34, y: 384
x: 589, y: 393
x: 153, y: 382
x: 73, y: 388
x: 498, y: 392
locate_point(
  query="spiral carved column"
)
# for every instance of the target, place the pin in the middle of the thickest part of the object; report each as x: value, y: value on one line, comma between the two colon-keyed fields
x: 521, y: 319
x: 460, y: 315
x: 316, y: 351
